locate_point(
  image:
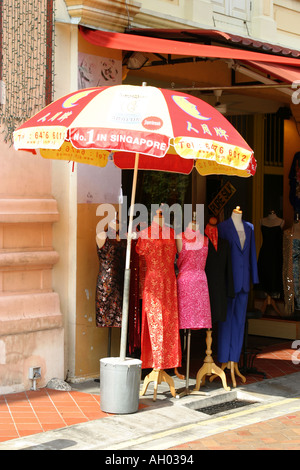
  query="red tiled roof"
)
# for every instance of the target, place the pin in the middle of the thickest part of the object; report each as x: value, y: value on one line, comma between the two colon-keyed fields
x: 210, y: 35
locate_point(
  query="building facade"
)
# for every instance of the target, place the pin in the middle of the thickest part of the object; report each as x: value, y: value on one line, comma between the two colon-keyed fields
x: 50, y: 209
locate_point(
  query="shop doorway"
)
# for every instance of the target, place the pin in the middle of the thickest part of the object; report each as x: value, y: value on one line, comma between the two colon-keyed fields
x: 156, y: 188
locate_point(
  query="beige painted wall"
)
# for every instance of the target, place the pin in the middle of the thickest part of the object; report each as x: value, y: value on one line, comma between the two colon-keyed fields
x: 31, y: 326
x: 91, y: 342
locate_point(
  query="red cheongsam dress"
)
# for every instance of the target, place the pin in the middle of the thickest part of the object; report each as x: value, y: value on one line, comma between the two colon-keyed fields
x: 160, y: 340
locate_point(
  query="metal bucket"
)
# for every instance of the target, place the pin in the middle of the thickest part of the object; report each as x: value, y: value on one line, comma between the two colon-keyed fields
x: 120, y: 385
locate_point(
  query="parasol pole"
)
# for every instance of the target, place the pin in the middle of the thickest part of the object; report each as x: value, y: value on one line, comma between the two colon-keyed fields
x: 126, y: 289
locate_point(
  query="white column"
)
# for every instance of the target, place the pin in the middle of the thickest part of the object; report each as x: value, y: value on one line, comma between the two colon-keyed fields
x: 263, y: 26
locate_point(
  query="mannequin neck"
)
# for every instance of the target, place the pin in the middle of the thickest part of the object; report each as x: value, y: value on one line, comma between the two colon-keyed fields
x: 159, y: 219
x: 193, y: 226
x: 237, y: 218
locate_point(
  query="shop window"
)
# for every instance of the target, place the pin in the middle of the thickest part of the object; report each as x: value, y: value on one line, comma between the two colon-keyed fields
x: 157, y: 187
x: 273, y: 150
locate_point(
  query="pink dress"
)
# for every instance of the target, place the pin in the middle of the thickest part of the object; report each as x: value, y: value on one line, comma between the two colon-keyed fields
x: 192, y: 287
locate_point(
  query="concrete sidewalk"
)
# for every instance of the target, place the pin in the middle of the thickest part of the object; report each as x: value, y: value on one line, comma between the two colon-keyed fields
x: 168, y: 422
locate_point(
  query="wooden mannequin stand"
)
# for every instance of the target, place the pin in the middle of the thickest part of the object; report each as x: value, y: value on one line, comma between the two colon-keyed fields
x: 233, y: 367
x: 209, y: 367
x: 157, y: 376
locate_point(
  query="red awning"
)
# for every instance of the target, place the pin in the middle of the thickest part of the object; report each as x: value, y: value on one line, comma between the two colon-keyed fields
x: 219, y: 37
x: 283, y: 72
x: 128, y: 42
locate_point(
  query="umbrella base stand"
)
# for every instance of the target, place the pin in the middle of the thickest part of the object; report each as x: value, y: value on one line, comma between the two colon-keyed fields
x: 234, y: 370
x: 120, y: 385
x: 209, y: 367
x: 157, y: 376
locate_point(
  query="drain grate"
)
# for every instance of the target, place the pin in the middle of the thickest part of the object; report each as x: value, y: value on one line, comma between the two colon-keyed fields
x: 225, y: 406
x: 56, y: 444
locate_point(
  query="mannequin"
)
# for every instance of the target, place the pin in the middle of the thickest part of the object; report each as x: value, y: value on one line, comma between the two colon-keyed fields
x: 160, y: 340
x: 159, y: 218
x: 109, y: 288
x: 193, y: 295
x: 220, y: 284
x: 240, y: 235
x: 236, y: 217
x: 270, y: 259
x: 209, y: 367
x: 114, y: 227
x: 272, y: 220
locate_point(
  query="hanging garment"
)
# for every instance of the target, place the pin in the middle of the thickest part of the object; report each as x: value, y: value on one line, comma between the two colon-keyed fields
x: 244, y: 269
x: 270, y: 260
x: 231, y: 331
x: 287, y: 272
x: 218, y: 270
x: 294, y: 178
x: 244, y: 264
x: 160, y: 340
x: 290, y: 272
x: 296, y: 271
x: 192, y: 288
x: 109, y: 289
x: 212, y: 233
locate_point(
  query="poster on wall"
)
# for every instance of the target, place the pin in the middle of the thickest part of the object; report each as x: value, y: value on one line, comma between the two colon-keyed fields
x: 98, y: 185
x: 94, y: 70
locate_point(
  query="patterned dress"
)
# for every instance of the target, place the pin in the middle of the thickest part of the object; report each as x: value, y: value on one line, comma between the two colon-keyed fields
x: 109, y: 289
x: 291, y: 271
x: 193, y: 294
x: 160, y: 340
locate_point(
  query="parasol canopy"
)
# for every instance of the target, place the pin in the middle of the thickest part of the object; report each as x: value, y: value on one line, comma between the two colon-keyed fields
x: 146, y: 120
x: 145, y: 127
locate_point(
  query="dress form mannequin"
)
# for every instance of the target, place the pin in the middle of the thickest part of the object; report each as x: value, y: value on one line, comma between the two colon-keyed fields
x: 159, y: 218
x: 108, y: 275
x: 179, y: 243
x: 101, y: 236
x: 236, y: 217
x: 271, y: 221
x: 209, y: 367
x: 241, y: 292
x: 158, y: 375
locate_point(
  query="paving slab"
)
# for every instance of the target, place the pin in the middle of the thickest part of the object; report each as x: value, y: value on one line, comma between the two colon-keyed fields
x: 170, y: 421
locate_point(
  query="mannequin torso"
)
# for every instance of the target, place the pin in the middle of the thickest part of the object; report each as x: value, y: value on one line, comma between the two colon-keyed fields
x: 236, y: 217
x: 101, y: 236
x: 272, y: 220
x: 191, y: 226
